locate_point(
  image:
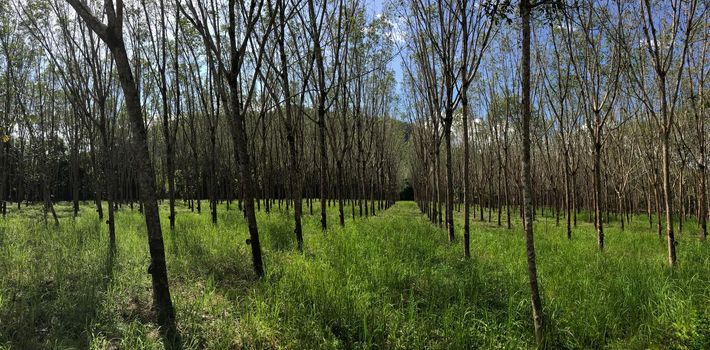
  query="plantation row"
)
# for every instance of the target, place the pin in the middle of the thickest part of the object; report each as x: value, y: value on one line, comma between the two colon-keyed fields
x: 574, y: 105
x: 127, y: 104
x: 526, y: 109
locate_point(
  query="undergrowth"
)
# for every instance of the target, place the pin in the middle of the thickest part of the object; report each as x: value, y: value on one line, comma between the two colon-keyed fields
x: 392, y: 281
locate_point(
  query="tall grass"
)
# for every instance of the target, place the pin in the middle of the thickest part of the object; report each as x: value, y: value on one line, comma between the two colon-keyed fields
x: 387, y: 282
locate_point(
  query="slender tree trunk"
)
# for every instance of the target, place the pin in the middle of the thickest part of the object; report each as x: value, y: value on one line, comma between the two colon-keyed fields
x: 437, y: 177
x: 449, y: 176
x: 4, y: 160
x: 681, y: 195
x: 506, y: 185
x: 667, y: 191
x: 97, y: 183
x: 169, y: 153
x: 108, y: 180
x: 371, y: 182
x: 112, y: 35
x: 323, y: 183
x: 499, y: 202
x: 568, y: 199
x: 597, y: 189
x: 291, y: 129
x: 158, y: 268
x: 171, y: 183
x: 74, y: 168
x: 213, y: 181
x: 5, y: 155
x: 239, y: 138
x: 466, y: 165
x: 575, y: 208
x: 702, y: 216
x: 621, y: 210
x: 340, y: 192
x: 525, y: 9
x: 658, y: 202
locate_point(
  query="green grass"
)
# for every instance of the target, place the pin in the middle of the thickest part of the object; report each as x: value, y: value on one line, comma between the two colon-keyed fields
x: 387, y: 282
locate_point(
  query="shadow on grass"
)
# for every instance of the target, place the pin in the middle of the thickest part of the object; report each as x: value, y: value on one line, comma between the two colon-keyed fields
x: 42, y: 310
x: 200, y: 254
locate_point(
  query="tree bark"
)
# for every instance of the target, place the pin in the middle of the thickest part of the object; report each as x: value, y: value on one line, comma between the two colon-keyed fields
x: 449, y: 175
x: 466, y: 165
x: 291, y: 128
x: 599, y: 220
x: 112, y: 35
x: 525, y: 9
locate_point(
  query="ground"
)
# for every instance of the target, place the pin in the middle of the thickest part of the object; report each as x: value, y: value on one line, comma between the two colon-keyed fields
x: 387, y: 282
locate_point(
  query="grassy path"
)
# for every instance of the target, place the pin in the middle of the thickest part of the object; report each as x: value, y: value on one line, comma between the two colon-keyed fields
x: 387, y: 282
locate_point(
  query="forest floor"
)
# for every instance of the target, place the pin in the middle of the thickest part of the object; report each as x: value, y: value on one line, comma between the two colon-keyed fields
x: 388, y: 282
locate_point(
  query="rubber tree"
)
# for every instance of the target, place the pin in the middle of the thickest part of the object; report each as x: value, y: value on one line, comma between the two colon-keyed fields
x: 111, y: 33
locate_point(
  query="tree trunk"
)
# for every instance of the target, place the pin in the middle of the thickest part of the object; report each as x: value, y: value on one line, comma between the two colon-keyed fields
x: 449, y: 176
x: 213, y: 181
x: 568, y: 199
x: 4, y: 160
x: 323, y: 165
x: 466, y: 189
x: 74, y: 169
x: 295, y: 179
x: 598, y: 219
x: 667, y: 191
x: 97, y: 183
x: 158, y: 268
x: 108, y: 179
x: 658, y: 202
x: 112, y: 35
x: 702, y: 216
x: 506, y: 185
x: 340, y: 190
x: 525, y: 9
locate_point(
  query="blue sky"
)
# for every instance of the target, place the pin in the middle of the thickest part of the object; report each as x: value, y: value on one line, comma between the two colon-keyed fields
x: 374, y: 8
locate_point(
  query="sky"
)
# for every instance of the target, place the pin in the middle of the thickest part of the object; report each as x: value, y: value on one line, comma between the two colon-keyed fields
x: 373, y: 9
